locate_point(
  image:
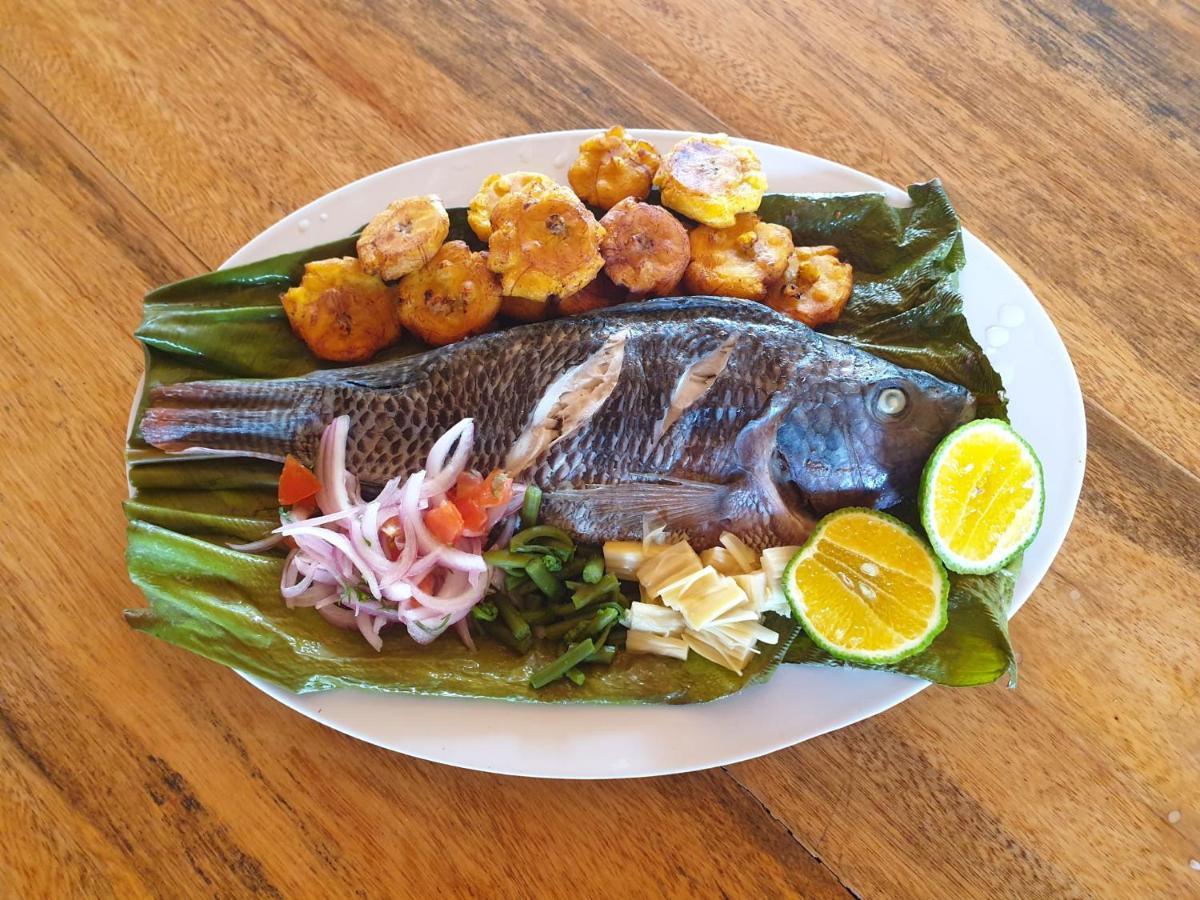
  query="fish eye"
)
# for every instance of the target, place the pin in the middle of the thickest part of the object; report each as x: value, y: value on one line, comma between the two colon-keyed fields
x: 891, y: 402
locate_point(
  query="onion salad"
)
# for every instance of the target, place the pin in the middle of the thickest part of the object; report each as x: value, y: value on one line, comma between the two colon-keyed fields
x: 366, y: 565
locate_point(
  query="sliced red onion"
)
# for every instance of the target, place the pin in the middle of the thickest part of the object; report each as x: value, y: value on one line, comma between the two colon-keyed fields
x: 441, y: 476
x: 423, y: 566
x: 364, y: 622
x: 289, y: 586
x: 338, y: 615
x: 324, y: 503
x: 285, y: 529
x: 389, y: 613
x: 331, y: 467
x: 398, y: 592
x: 368, y: 550
x: 266, y: 543
x: 320, y: 574
x: 316, y: 597
x: 370, y: 524
x: 390, y: 492
x: 461, y: 560
x: 339, y: 542
x: 457, y: 593
x: 317, y: 553
x: 408, y: 553
x: 464, y: 634
x: 410, y: 513
x: 426, y: 630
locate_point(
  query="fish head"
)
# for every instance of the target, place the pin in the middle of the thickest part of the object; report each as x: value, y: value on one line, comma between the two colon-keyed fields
x: 865, y: 440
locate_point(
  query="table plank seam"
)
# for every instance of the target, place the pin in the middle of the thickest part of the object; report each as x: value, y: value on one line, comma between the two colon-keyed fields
x: 1091, y: 404
x: 108, y: 170
x: 792, y: 834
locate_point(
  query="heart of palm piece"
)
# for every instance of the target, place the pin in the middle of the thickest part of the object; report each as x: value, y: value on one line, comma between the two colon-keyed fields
x: 712, y: 603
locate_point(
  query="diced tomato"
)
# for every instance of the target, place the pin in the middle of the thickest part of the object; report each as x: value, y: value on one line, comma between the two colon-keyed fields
x: 467, y: 485
x: 444, y: 522
x: 474, y: 496
x: 495, y: 490
x: 473, y: 515
x: 297, y: 482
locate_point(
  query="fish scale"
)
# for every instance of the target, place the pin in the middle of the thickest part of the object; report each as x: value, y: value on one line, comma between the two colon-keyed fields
x: 787, y: 428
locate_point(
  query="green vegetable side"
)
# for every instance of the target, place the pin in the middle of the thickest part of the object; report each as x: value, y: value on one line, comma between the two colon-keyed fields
x: 225, y: 605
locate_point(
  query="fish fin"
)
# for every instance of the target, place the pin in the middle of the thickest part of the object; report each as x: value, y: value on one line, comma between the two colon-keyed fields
x: 620, y: 509
x: 389, y: 375
x: 267, y: 419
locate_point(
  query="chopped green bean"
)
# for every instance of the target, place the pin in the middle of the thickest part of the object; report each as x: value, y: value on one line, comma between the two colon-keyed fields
x: 602, y: 638
x: 579, y: 632
x: 506, y: 560
x: 538, y: 616
x: 561, y: 554
x: 574, y: 568
x: 558, y: 629
x: 542, y: 535
x: 531, y: 506
x: 512, y: 618
x: 547, y: 583
x: 558, y: 668
x: 576, y: 677
x: 603, y: 655
x: 521, y: 588
x: 500, y: 632
x: 601, y: 620
x: 524, y: 601
x: 589, y: 594
x: 593, y: 570
x: 484, y: 612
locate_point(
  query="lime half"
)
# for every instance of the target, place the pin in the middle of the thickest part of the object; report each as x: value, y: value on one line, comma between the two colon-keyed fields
x: 982, y: 497
x: 867, y: 588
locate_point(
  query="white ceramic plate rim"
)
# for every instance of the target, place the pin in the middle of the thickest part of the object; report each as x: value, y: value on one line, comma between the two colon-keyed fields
x: 799, y: 702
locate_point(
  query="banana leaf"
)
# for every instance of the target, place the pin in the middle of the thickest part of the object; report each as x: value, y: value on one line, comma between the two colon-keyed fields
x: 225, y: 605
x: 905, y: 308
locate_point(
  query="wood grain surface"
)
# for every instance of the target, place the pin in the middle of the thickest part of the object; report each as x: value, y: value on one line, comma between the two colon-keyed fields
x: 144, y: 142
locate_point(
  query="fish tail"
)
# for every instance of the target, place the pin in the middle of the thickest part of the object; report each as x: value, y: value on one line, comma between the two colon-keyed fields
x: 267, y: 419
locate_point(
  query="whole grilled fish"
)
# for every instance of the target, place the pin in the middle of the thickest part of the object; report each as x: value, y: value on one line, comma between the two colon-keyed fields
x: 712, y: 413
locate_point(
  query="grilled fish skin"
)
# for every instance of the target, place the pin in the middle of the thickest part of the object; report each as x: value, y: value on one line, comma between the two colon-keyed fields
x: 710, y: 412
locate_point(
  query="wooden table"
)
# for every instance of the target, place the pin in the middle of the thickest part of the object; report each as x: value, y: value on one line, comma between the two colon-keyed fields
x: 140, y: 146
